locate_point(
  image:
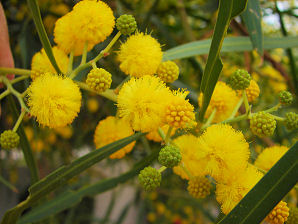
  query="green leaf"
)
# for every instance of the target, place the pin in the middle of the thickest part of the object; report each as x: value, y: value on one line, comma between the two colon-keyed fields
x: 230, y: 44
x: 60, y: 176
x: 238, y: 7
x: 33, y: 6
x: 70, y: 198
x: 279, y: 180
x: 252, y: 19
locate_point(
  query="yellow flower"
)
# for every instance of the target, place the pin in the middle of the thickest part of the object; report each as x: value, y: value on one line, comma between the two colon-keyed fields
x: 252, y: 91
x: 269, y: 156
x: 279, y: 215
x: 154, y: 135
x: 142, y: 102
x: 222, y: 149
x: 110, y: 130
x: 235, y: 186
x: 224, y: 99
x: 54, y: 101
x: 179, y: 112
x: 188, y: 145
x: 41, y: 64
x: 140, y: 55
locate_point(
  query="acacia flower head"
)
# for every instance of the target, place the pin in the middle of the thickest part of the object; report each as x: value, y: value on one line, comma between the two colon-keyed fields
x: 110, y: 130
x: 140, y: 55
x: 223, y: 99
x: 54, y: 101
x: 142, y: 102
x: 41, y: 64
x: 269, y: 156
x: 222, y: 149
x: 235, y: 186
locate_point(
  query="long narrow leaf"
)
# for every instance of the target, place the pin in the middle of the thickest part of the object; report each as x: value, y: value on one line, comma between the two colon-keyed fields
x: 33, y: 6
x: 59, y: 177
x: 70, y: 198
x: 280, y: 179
x: 252, y: 19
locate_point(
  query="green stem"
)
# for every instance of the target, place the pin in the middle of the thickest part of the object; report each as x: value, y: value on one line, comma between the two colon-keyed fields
x: 99, y: 56
x: 19, y: 79
x: 161, y: 169
x: 190, y: 176
x: 4, y: 94
x: 272, y: 109
x: 17, y: 124
x: 245, y: 100
x: 277, y: 118
x: 236, y: 108
x: 84, y: 55
x: 9, y: 185
x: 168, y: 136
x: 16, y: 71
x: 15, y: 93
x: 210, y: 119
x: 109, y: 93
x: 232, y: 120
x: 162, y: 134
x: 70, y: 62
x: 94, y: 65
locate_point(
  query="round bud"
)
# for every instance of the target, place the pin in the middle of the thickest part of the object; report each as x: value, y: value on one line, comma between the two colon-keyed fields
x: 239, y: 80
x: 126, y: 24
x: 169, y: 156
x: 99, y: 80
x: 291, y: 121
x: 279, y: 214
x: 199, y: 187
x: 293, y: 216
x: 168, y: 71
x: 285, y: 97
x: 262, y: 124
x: 9, y: 139
x: 150, y: 178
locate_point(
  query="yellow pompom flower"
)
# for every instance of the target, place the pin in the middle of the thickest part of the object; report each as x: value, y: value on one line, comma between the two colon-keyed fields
x: 179, y: 111
x: 54, y: 101
x: 41, y: 64
x: 199, y: 187
x: 279, y: 215
x: 222, y: 149
x: 235, y: 186
x: 224, y: 99
x: 64, y: 36
x: 142, y: 102
x: 188, y: 145
x: 252, y: 91
x: 93, y: 21
x: 140, y: 55
x: 269, y: 156
x: 110, y: 130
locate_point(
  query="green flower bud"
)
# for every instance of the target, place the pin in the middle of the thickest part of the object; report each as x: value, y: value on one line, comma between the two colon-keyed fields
x: 199, y: 187
x: 150, y: 178
x: 285, y: 97
x: 262, y: 124
x: 169, y: 156
x: 293, y: 216
x: 291, y: 121
x: 99, y: 80
x: 9, y: 139
x: 168, y: 71
x: 126, y: 24
x: 239, y: 80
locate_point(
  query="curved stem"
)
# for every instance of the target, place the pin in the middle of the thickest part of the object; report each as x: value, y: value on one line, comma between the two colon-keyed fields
x: 236, y: 108
x: 4, y: 94
x: 16, y: 71
x: 19, y: 79
x: 168, y: 136
x: 210, y: 119
x: 17, y: 124
x: 84, y: 55
x: 161, y: 169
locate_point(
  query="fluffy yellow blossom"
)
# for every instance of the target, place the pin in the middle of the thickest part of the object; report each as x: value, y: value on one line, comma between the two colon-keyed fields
x: 224, y: 99
x: 279, y: 215
x: 276, y: 80
x: 41, y: 64
x: 235, y: 186
x: 140, y: 55
x: 222, y: 149
x: 64, y: 36
x: 154, y: 135
x: 179, y: 112
x: 269, y: 156
x: 142, y: 102
x: 54, y: 101
x: 112, y: 129
x: 188, y: 145
x: 252, y: 91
